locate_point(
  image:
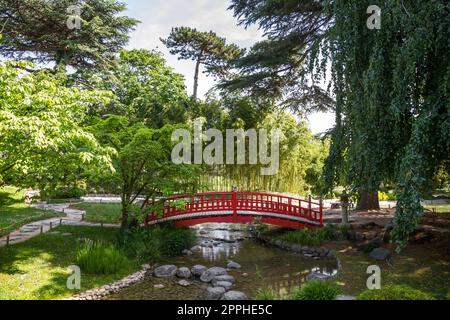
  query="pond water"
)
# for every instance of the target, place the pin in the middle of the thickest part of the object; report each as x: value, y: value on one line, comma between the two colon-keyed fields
x: 262, y: 266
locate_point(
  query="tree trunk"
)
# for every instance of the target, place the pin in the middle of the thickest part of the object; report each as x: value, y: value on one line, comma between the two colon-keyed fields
x: 368, y: 201
x: 197, y: 71
x: 125, y: 202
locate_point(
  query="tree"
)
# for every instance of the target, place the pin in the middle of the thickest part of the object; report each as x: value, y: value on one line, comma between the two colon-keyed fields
x: 143, y: 163
x: 276, y: 68
x: 205, y: 48
x: 390, y: 87
x: 38, y: 30
x: 145, y: 89
x: 43, y: 141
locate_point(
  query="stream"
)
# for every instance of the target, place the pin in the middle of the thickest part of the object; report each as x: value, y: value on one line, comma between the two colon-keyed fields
x: 262, y: 266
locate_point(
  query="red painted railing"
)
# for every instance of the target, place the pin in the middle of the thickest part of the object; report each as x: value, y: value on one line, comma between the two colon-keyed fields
x: 240, y: 207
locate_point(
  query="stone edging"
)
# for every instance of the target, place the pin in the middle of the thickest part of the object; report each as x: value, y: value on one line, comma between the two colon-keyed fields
x: 108, y: 289
x: 311, y: 252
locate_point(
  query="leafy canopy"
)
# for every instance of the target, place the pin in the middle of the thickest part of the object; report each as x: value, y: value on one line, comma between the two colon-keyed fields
x: 37, y: 30
x: 41, y: 129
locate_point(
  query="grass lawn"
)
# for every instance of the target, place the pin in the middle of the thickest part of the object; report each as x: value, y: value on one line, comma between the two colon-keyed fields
x: 101, y: 212
x: 423, y: 267
x: 440, y: 208
x: 38, y: 268
x: 15, y: 213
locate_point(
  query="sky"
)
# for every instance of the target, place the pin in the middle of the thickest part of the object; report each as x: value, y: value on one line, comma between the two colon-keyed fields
x: 157, y: 18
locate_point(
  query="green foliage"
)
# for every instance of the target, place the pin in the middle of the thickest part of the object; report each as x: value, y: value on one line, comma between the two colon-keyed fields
x: 309, y: 237
x: 69, y: 192
x: 316, y: 290
x: 41, y: 124
x: 386, y: 196
x: 37, y: 29
x: 100, y: 258
x: 400, y: 138
x: 206, y: 48
x: 266, y: 294
x: 154, y: 242
x: 144, y: 165
x: 145, y: 89
x: 394, y: 292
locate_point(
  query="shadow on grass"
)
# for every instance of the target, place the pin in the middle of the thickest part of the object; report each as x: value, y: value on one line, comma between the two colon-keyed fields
x: 39, y: 266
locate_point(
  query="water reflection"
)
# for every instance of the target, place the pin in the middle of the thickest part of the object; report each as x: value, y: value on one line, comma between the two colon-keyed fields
x: 262, y: 266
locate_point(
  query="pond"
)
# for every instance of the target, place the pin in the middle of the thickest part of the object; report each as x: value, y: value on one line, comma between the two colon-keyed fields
x: 262, y: 266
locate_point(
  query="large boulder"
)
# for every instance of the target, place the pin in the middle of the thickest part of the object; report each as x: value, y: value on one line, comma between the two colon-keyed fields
x: 214, y: 293
x: 209, y: 274
x: 380, y: 254
x: 183, y: 272
x: 234, y: 295
x: 165, y: 271
x: 233, y: 265
x: 198, y: 270
x: 224, y: 277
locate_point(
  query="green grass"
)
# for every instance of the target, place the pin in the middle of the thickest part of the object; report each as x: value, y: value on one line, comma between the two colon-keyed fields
x: 316, y: 290
x: 439, y: 208
x: 101, y: 258
x: 314, y: 237
x: 394, y: 292
x: 38, y: 268
x: 14, y: 212
x: 420, y: 267
x: 266, y: 294
x: 101, y: 212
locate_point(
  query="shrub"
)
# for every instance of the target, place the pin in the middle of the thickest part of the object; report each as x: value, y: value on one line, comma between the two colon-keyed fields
x: 100, y: 258
x: 266, y: 294
x: 316, y: 290
x: 152, y: 242
x: 394, y: 292
x: 314, y: 237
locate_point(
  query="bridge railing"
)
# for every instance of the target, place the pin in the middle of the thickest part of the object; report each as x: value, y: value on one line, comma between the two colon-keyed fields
x: 234, y: 202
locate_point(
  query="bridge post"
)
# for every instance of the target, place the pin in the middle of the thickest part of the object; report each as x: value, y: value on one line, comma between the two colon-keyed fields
x: 234, y: 204
x: 309, y: 206
x: 321, y: 211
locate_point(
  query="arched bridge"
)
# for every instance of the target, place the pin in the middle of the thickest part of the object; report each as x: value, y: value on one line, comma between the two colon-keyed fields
x: 240, y: 207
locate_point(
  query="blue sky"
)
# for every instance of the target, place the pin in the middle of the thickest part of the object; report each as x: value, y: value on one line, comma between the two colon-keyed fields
x: 159, y: 16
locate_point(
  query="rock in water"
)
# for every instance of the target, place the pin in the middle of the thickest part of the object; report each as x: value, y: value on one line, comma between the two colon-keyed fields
x: 186, y: 252
x: 380, y: 254
x: 317, y: 276
x: 184, y: 283
x: 183, y: 272
x: 224, y: 284
x: 234, y: 295
x: 233, y: 265
x: 165, y: 271
x: 224, y: 277
x: 214, y: 293
x: 209, y: 274
x: 198, y: 270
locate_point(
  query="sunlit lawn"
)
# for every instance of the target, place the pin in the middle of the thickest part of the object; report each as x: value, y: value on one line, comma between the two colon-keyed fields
x: 439, y: 208
x: 38, y: 268
x: 101, y: 212
x: 15, y: 213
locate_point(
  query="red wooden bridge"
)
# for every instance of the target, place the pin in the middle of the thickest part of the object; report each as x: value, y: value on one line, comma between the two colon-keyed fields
x: 240, y: 207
